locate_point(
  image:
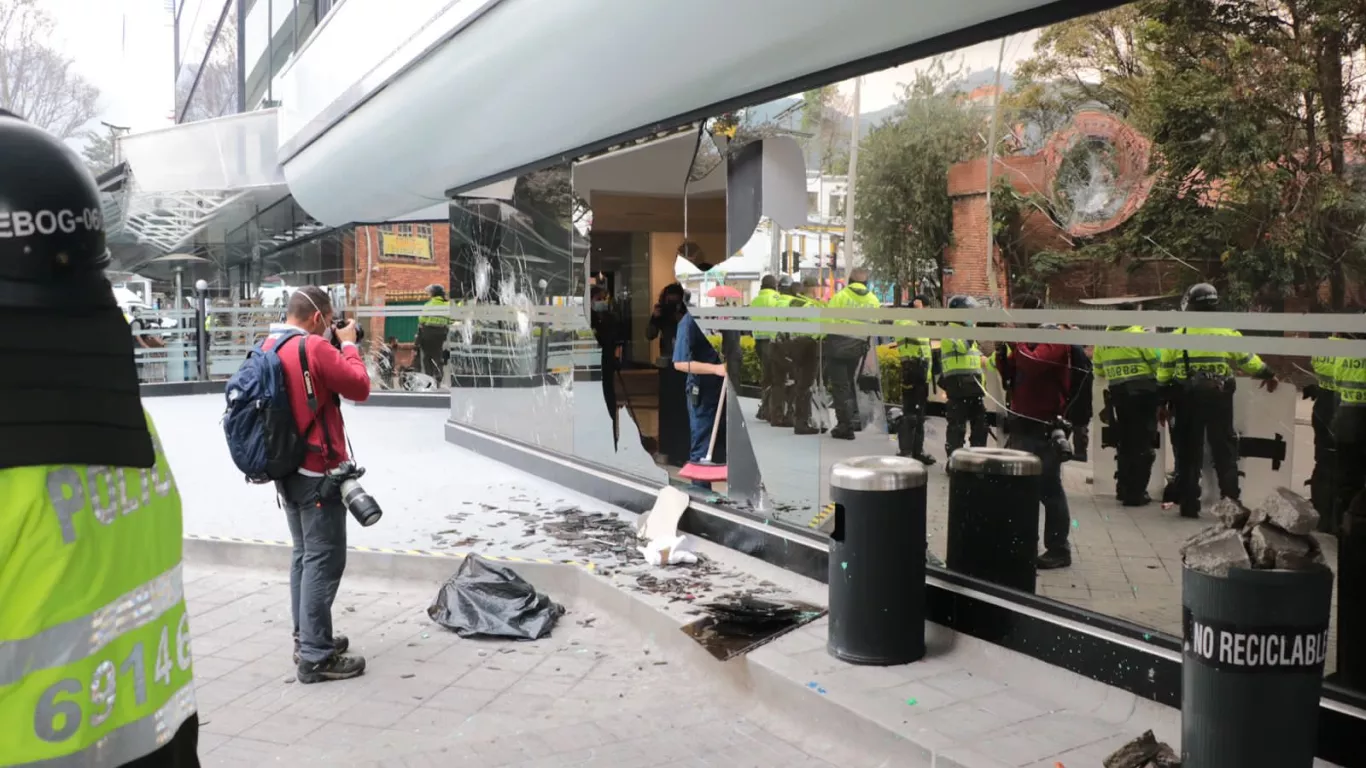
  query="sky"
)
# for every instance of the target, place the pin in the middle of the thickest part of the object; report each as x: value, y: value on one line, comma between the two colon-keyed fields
x: 880, y: 89
x: 125, y: 48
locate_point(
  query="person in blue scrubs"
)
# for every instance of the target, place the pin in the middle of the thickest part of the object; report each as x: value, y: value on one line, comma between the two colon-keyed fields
x: 706, y: 384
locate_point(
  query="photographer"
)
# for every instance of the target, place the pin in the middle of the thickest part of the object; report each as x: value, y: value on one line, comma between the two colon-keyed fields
x: 313, y: 507
x: 1038, y: 381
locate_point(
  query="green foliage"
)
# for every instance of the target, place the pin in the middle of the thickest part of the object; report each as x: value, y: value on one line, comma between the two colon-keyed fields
x: 904, y: 214
x: 1248, y: 106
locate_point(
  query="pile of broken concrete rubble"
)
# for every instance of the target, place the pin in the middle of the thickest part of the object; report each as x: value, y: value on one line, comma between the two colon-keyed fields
x: 1278, y: 534
x: 1144, y: 752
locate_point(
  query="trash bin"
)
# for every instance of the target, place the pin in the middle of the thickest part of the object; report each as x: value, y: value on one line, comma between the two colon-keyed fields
x: 877, y: 561
x: 1252, y: 666
x: 994, y: 515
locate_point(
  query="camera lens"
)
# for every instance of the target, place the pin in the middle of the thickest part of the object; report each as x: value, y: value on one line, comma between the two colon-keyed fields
x: 360, y: 504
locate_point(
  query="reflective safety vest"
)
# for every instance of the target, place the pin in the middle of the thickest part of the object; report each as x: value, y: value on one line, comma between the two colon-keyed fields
x: 437, y: 311
x: 1126, y: 365
x: 1183, y: 364
x: 1325, y: 370
x: 960, y: 358
x: 797, y: 302
x: 95, y: 667
x: 767, y: 298
x: 1349, y: 381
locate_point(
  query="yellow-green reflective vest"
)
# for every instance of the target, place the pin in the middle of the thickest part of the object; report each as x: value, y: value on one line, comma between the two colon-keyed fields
x: 1325, y: 370
x: 1349, y: 380
x: 1123, y: 365
x: 95, y: 666
x: 437, y: 311
x: 913, y: 348
x: 767, y: 298
x: 960, y: 358
x: 1181, y: 364
x: 797, y: 302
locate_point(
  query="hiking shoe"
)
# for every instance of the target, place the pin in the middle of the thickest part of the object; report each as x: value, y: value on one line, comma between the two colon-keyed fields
x: 337, y: 667
x: 1049, y: 561
x: 842, y: 433
x: 339, y: 645
x: 927, y: 459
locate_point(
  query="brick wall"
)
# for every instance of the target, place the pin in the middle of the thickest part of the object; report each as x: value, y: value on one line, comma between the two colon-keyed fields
x: 397, y: 275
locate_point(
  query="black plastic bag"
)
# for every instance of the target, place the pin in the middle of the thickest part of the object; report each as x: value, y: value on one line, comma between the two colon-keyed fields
x: 487, y: 600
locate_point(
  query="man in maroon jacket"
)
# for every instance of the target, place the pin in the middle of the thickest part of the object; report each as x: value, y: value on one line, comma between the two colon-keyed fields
x: 1038, y: 380
x: 317, y: 520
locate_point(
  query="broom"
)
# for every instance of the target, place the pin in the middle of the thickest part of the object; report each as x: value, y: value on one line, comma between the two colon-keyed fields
x: 706, y: 470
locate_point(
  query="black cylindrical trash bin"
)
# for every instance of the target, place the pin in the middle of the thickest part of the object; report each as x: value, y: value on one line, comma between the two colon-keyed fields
x: 994, y: 515
x: 1252, y: 666
x: 877, y: 561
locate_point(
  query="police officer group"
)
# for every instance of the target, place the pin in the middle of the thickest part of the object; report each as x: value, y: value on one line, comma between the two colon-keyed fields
x: 1046, y: 389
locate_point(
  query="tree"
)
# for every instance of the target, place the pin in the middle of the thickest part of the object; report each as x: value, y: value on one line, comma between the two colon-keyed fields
x: 905, y: 216
x: 98, y: 151
x: 36, y: 81
x: 1248, y: 106
x: 824, y: 121
x: 208, y: 88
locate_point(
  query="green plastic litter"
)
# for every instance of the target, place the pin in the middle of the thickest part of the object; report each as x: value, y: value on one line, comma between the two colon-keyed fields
x: 910, y: 702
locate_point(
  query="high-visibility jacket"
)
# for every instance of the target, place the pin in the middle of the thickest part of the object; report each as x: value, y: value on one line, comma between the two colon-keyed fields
x: 1349, y: 381
x: 1127, y: 367
x: 797, y: 302
x: 95, y: 667
x: 1184, y: 364
x: 767, y: 298
x: 960, y: 358
x: 437, y: 311
x: 1325, y: 370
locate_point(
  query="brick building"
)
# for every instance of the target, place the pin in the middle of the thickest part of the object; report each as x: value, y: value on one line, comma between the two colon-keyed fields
x: 392, y: 264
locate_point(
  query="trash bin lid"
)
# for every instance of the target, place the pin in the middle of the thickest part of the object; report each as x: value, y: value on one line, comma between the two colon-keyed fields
x: 878, y: 473
x: 995, y: 461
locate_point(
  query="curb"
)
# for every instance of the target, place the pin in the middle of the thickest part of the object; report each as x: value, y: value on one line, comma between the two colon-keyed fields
x: 756, y: 677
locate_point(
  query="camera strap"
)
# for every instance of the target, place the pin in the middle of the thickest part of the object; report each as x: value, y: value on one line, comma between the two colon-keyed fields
x: 312, y: 394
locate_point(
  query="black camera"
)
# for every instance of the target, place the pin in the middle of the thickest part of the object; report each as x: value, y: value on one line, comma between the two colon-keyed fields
x: 341, y: 323
x: 1061, y: 437
x: 344, y: 481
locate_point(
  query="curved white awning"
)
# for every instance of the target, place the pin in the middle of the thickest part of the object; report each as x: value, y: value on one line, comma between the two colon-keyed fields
x: 522, y: 80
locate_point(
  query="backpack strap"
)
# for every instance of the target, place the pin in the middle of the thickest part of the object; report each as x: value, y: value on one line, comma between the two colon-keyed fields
x: 312, y: 394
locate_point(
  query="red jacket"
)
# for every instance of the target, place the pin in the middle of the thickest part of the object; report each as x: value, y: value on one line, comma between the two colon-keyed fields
x: 1038, y: 378
x: 334, y: 373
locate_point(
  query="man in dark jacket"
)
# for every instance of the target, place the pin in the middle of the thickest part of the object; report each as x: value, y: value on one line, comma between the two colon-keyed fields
x: 1038, y: 377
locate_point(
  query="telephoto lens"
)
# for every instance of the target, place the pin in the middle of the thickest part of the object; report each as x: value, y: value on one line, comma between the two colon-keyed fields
x: 360, y: 504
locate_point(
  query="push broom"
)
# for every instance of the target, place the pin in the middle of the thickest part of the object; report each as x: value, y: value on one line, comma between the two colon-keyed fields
x: 706, y: 470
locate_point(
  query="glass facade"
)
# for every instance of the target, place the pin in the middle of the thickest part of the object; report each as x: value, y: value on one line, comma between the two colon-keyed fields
x: 207, y: 82
x: 1061, y: 171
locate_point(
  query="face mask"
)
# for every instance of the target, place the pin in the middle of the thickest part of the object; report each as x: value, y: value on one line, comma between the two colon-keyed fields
x: 599, y: 306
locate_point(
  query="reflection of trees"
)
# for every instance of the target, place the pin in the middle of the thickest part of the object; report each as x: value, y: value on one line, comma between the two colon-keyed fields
x: 905, y: 216
x: 36, y: 81
x: 214, y: 93
x: 1250, y: 109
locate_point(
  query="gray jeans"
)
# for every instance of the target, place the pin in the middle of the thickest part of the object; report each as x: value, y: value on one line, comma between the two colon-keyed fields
x: 318, y: 526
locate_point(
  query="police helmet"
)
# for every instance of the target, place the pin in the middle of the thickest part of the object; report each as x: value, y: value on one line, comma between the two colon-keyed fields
x: 52, y: 261
x: 962, y: 302
x: 52, y: 248
x: 436, y: 291
x: 1201, y: 297
x: 785, y: 284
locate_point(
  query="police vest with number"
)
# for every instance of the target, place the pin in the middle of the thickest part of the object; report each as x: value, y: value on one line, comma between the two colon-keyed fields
x: 95, y: 663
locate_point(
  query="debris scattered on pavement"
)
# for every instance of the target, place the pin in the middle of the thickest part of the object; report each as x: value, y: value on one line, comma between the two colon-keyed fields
x: 670, y: 551
x: 1144, y: 752
x: 485, y: 599
x: 1278, y: 534
x: 735, y: 627
x: 911, y: 702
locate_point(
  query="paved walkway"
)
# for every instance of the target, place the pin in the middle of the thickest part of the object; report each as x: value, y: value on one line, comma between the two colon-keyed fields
x: 592, y: 694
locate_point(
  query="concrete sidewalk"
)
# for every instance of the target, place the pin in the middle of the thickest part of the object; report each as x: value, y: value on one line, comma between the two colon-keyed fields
x: 594, y: 693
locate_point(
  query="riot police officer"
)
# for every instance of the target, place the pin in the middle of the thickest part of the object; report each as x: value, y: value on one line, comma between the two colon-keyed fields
x: 1323, y: 480
x: 1131, y: 403
x: 1199, y: 386
x: 763, y: 346
x: 433, y: 325
x: 780, y: 363
x: 804, y: 359
x: 842, y: 355
x: 91, y: 577
x: 961, y: 380
x: 917, y: 363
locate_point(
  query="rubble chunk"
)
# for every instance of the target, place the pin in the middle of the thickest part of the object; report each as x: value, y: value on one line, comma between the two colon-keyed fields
x: 1270, y: 547
x: 1290, y: 512
x: 1217, y: 554
x: 1231, y: 513
x: 1144, y: 752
